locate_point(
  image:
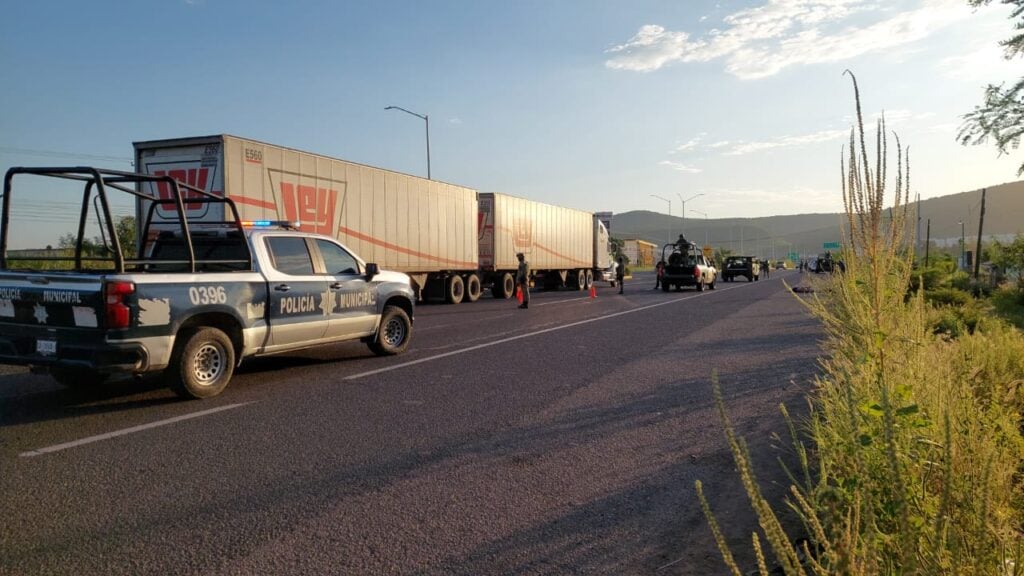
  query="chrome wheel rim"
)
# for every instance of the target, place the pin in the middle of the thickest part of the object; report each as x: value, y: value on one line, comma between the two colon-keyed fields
x: 394, y: 332
x: 208, y: 364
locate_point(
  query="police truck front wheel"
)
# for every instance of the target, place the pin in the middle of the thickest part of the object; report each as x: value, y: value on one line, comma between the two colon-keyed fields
x: 393, y: 334
x: 202, y: 364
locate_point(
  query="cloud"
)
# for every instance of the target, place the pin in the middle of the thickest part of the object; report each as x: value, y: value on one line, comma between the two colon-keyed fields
x: 680, y: 167
x: 688, y: 145
x: 983, y: 65
x: 455, y: 121
x: 741, y: 148
x: 764, y: 40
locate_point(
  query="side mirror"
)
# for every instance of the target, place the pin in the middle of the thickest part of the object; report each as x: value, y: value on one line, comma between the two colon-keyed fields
x: 372, y: 270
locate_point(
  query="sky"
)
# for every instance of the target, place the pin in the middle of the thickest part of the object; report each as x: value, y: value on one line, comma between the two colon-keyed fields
x: 740, y: 109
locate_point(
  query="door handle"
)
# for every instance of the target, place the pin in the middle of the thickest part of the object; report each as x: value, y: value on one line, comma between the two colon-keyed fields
x: 336, y: 286
x: 282, y: 287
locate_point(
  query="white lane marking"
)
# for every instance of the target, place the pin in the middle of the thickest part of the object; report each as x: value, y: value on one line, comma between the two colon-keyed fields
x: 561, y: 301
x: 125, y: 431
x: 537, y: 333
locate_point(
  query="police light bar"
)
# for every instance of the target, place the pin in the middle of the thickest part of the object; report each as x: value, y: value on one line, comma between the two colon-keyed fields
x: 271, y: 223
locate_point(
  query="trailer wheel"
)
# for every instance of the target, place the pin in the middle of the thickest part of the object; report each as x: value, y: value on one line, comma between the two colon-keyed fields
x: 504, y: 287
x: 394, y: 332
x: 456, y: 289
x: 202, y: 363
x: 590, y: 279
x: 581, y: 280
x: 472, y: 287
x: 77, y: 379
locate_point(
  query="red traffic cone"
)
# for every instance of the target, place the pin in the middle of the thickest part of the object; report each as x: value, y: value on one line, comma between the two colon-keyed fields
x: 519, y: 294
x: 593, y: 291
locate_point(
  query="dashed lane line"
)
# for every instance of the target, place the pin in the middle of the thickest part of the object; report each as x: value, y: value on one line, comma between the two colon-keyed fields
x: 126, y: 431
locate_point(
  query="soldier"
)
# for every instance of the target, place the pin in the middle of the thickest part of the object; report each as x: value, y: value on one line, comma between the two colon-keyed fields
x: 523, y: 279
x: 659, y: 271
x: 620, y: 272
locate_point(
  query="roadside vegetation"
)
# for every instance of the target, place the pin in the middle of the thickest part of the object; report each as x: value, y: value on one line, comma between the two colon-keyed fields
x: 910, y: 459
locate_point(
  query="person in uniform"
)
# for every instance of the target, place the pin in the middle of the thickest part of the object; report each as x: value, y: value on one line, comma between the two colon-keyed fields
x: 659, y: 271
x: 620, y: 272
x: 523, y: 279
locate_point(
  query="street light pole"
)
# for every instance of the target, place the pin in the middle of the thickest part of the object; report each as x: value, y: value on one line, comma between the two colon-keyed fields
x: 425, y: 118
x: 963, y: 255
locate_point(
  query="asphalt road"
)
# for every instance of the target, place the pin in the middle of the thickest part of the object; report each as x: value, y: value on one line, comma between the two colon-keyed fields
x: 563, y: 439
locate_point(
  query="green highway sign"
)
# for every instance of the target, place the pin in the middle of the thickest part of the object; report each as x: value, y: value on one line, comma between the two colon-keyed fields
x: 793, y: 256
x: 830, y: 245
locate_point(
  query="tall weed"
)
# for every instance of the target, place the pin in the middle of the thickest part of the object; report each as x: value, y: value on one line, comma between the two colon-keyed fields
x: 916, y: 435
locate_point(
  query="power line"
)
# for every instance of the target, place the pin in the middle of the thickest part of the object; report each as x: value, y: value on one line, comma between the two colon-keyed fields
x: 60, y: 154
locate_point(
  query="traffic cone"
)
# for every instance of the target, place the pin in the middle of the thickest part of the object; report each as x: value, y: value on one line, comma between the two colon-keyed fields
x: 593, y: 291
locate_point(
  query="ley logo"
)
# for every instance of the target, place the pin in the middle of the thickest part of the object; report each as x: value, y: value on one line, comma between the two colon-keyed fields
x: 313, y: 207
x: 197, y: 177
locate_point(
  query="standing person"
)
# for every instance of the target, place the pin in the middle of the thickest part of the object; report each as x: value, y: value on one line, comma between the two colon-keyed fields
x: 523, y: 279
x: 659, y: 271
x: 620, y: 272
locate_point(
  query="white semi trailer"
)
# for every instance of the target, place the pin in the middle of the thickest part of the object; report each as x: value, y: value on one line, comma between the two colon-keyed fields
x: 424, y: 228
x: 450, y: 240
x: 565, y: 247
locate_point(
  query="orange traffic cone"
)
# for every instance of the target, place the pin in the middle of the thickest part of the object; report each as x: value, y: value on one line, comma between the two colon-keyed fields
x: 593, y: 291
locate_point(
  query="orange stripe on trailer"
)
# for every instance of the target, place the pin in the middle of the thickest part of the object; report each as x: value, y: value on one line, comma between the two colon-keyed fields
x: 254, y: 202
x: 389, y: 246
x: 583, y: 263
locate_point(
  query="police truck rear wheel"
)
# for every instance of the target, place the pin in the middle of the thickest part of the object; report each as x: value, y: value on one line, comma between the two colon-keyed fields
x: 202, y: 364
x: 394, y: 332
x: 472, y: 288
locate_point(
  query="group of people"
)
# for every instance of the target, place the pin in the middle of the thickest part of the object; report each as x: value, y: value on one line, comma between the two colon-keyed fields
x: 523, y: 277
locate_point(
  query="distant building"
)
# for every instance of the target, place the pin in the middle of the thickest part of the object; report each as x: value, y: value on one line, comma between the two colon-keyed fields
x: 639, y: 252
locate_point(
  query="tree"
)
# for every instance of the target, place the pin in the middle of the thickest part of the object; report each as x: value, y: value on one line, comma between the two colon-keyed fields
x: 1010, y: 259
x: 124, y: 227
x: 1001, y: 116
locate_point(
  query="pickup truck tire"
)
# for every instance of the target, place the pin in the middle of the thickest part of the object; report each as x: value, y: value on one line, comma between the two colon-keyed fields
x: 202, y: 364
x: 77, y: 378
x: 393, y: 333
x: 456, y: 289
x: 700, y: 285
x: 713, y: 280
x: 472, y: 288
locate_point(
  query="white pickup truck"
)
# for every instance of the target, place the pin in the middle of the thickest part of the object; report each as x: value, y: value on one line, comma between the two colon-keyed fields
x: 191, y: 301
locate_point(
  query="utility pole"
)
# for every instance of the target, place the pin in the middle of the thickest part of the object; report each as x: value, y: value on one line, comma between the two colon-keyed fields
x: 981, y: 222
x: 927, y: 242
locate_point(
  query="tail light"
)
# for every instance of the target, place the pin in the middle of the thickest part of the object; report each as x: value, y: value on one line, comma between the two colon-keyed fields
x: 696, y: 271
x: 118, y: 312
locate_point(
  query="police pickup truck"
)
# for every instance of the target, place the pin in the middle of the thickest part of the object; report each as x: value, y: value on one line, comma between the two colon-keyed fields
x: 188, y: 299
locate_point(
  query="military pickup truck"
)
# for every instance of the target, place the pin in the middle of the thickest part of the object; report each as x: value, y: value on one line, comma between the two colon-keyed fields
x: 686, y: 265
x: 189, y: 301
x: 746, y: 266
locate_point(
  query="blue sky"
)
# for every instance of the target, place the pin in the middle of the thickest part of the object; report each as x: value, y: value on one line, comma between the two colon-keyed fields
x: 595, y: 105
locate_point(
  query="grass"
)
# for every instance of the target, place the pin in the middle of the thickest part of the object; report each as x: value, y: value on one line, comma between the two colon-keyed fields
x: 914, y: 432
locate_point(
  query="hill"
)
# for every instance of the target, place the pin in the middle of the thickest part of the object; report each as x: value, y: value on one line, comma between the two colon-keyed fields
x: 774, y: 236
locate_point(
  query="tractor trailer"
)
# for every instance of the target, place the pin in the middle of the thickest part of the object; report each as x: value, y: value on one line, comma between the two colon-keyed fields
x: 450, y: 240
